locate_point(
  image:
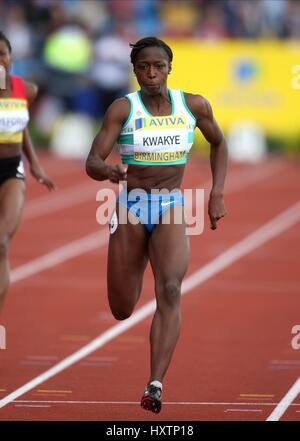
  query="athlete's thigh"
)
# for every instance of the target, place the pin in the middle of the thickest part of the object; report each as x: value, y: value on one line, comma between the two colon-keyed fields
x: 127, y: 260
x: 12, y: 193
x: 169, y: 250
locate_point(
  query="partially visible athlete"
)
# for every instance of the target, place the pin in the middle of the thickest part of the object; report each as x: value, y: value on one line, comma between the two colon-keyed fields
x: 154, y: 128
x: 16, y: 95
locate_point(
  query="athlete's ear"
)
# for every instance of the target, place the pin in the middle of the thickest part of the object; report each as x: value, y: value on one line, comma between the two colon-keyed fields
x: 170, y: 68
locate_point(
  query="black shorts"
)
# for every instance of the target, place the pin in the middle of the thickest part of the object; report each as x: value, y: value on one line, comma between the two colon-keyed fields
x: 11, y: 167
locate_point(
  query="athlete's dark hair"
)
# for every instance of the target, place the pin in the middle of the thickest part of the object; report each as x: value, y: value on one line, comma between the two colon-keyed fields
x: 6, y: 41
x: 149, y: 42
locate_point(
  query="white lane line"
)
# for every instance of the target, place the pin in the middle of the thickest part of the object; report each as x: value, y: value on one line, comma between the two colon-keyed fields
x: 181, y: 403
x: 271, y: 229
x: 242, y: 180
x: 29, y: 405
x: 62, y: 199
x: 286, y: 401
x: 242, y: 410
x: 59, y: 255
x: 92, y: 242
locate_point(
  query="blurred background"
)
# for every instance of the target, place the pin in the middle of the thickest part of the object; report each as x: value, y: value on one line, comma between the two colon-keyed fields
x: 243, y: 55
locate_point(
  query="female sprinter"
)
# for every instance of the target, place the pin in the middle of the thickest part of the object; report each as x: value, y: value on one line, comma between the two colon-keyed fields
x: 15, y: 97
x: 154, y: 128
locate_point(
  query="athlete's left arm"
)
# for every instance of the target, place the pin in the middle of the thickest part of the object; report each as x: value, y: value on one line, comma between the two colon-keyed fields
x: 206, y: 122
x: 35, y: 167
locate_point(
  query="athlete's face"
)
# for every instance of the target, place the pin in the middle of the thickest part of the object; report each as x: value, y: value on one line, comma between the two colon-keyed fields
x: 151, y: 68
x: 5, y: 56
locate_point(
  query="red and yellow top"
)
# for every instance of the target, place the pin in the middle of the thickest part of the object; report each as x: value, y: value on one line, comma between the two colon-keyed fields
x: 14, y: 115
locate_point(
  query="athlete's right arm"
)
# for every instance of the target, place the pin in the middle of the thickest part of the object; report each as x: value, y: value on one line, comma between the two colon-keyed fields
x: 104, y: 141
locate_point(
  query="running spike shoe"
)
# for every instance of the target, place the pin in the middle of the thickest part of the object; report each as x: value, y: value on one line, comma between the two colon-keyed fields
x: 151, y: 400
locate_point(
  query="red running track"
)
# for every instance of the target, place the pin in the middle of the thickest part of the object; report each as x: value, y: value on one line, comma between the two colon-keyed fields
x: 234, y: 360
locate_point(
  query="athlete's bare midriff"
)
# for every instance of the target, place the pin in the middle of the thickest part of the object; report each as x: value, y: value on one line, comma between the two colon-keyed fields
x: 154, y: 177
x: 10, y: 150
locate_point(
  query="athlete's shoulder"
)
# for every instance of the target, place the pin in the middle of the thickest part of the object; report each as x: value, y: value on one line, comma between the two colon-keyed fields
x: 22, y: 88
x: 198, y: 105
x: 31, y: 90
x: 118, y: 110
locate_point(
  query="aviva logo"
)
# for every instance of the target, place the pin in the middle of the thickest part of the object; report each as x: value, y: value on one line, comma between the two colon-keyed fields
x: 160, y: 123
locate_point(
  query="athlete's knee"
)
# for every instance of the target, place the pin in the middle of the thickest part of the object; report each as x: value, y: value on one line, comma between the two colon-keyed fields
x: 121, y: 314
x: 120, y: 311
x: 121, y: 304
x: 168, y: 293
